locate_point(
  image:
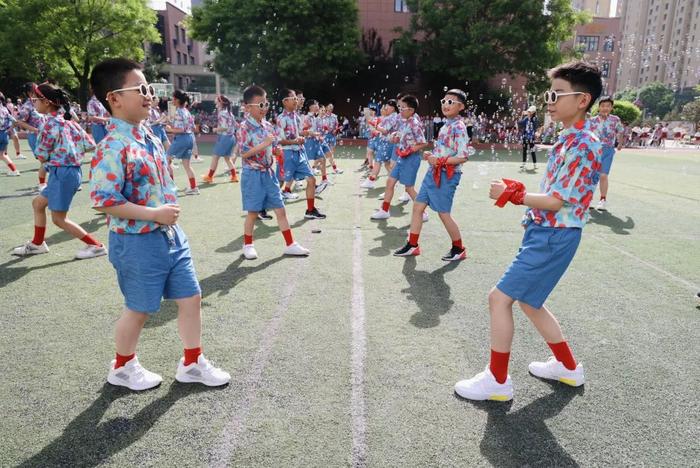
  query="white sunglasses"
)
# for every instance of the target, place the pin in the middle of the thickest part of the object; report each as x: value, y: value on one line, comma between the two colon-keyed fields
x: 146, y: 91
x: 449, y: 102
x: 550, y: 97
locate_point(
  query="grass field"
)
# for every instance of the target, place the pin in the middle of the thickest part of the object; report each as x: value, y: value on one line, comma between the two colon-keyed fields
x: 349, y: 356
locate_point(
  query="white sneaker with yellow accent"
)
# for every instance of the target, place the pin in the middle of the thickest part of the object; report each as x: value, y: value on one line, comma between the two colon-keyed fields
x: 483, y: 386
x: 555, y: 370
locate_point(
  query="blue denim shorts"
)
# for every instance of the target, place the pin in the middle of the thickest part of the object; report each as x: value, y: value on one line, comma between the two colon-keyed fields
x: 182, y: 145
x: 607, y: 159
x: 296, y: 166
x: 224, y: 145
x: 62, y: 185
x: 260, y: 190
x: 544, y: 256
x: 406, y: 169
x: 153, y: 266
x: 439, y: 199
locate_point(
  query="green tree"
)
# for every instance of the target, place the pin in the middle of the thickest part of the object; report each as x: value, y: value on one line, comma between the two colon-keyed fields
x: 691, y: 111
x: 64, y: 39
x: 280, y: 42
x: 454, y: 40
x: 656, y: 98
x: 625, y: 110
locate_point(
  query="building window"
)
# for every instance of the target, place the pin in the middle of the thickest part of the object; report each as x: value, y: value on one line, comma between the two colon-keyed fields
x: 605, y: 69
x: 177, y: 32
x: 179, y: 58
x: 400, y: 6
x: 184, y: 59
x: 183, y: 35
x: 609, y: 43
x: 192, y: 60
x: 589, y: 43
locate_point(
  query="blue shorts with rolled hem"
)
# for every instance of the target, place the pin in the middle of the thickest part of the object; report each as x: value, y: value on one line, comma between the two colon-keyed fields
x: 439, y: 199
x: 406, y: 169
x: 4, y: 140
x: 98, y: 131
x: 224, y: 145
x: 62, y: 185
x: 260, y: 190
x: 312, y: 148
x: 159, y: 132
x: 325, y: 148
x: 331, y: 140
x: 150, y: 267
x: 374, y: 143
x: 182, y: 145
x: 607, y: 159
x: 544, y: 256
x: 296, y: 166
x: 385, y: 152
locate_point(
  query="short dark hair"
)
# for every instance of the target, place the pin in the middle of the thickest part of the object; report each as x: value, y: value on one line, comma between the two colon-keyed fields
x: 285, y: 92
x: 606, y: 99
x: 392, y: 103
x: 109, y: 75
x: 459, y: 94
x: 583, y: 76
x: 27, y: 89
x: 182, y: 96
x: 252, y: 91
x: 410, y: 100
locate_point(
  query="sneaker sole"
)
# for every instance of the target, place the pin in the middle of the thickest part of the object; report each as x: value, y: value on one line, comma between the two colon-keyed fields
x: 413, y: 253
x: 314, y: 217
x: 501, y: 398
x: 564, y: 380
x: 187, y: 380
x: 91, y: 256
x: 456, y: 258
x: 121, y: 384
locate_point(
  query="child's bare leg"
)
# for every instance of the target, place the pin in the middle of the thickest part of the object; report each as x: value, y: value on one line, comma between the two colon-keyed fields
x: 127, y: 331
x: 189, y: 321
x: 502, y: 327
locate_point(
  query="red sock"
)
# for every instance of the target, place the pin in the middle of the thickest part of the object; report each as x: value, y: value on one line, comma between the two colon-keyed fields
x: 122, y: 360
x: 335, y: 167
x: 413, y: 238
x: 310, y: 204
x: 499, y: 366
x: 89, y: 240
x: 325, y: 177
x: 193, y: 182
x: 247, y: 240
x: 563, y: 354
x: 233, y: 172
x: 191, y: 355
x: 39, y: 232
x: 385, y: 206
x: 42, y: 180
x: 372, y: 178
x: 211, y: 173
x: 17, y: 153
x: 12, y: 167
x: 458, y: 244
x: 602, y: 198
x: 288, y: 189
x: 288, y: 237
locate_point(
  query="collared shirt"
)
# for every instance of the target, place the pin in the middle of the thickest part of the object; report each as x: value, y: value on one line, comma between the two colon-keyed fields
x: 573, y: 171
x: 453, y: 141
x: 410, y: 132
x: 29, y: 115
x: 607, y: 129
x: 251, y: 133
x: 154, y: 114
x: 6, y: 119
x: 311, y: 122
x: 332, y: 123
x: 227, y: 121
x: 290, y: 125
x: 390, y: 123
x: 62, y: 142
x: 96, y: 109
x: 130, y: 165
x: 184, y: 120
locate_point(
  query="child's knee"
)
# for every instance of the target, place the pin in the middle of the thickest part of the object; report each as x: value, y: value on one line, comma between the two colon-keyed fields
x: 58, y: 219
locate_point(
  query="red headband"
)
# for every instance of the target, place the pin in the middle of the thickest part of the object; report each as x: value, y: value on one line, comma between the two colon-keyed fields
x: 38, y: 92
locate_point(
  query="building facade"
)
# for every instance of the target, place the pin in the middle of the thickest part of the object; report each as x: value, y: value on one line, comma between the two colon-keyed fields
x: 660, y: 42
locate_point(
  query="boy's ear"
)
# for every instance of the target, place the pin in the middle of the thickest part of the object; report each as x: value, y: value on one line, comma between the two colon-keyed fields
x: 585, y: 101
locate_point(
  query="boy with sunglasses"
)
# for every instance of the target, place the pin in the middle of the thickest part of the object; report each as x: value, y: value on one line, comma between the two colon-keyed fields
x: 259, y: 185
x: 130, y: 182
x: 610, y: 130
x: 553, y: 223
x: 296, y: 165
x: 440, y: 183
x: 410, y: 140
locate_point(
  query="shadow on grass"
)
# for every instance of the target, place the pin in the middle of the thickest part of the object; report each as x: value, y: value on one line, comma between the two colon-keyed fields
x: 430, y: 292
x: 522, y: 438
x: 9, y: 273
x: 262, y: 231
x: 616, y: 225
x: 87, y: 442
x: 391, y: 238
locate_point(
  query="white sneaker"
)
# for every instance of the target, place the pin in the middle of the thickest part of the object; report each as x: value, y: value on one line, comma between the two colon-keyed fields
x: 367, y: 183
x: 405, y: 197
x: 91, y: 251
x: 30, y: 249
x: 133, y: 376
x: 381, y: 196
x: 321, y: 187
x: 296, y: 250
x: 14, y: 173
x: 290, y: 196
x: 201, y: 372
x: 380, y: 214
x: 338, y: 171
x: 197, y: 160
x: 175, y: 166
x: 249, y: 252
x: 483, y: 386
x: 299, y: 185
x: 317, y: 172
x: 40, y: 187
x: 602, y: 205
x: 21, y: 156
x: 192, y: 191
x: 425, y: 216
x: 555, y: 370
